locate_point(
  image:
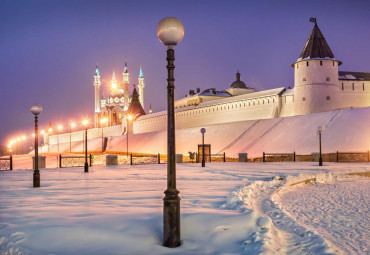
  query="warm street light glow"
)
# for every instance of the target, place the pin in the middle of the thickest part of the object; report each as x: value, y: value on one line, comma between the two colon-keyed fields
x: 130, y: 117
x: 85, y: 122
x: 23, y: 137
x: 19, y: 138
x: 42, y: 132
x: 60, y: 127
x: 73, y: 125
x: 33, y: 135
x: 102, y: 121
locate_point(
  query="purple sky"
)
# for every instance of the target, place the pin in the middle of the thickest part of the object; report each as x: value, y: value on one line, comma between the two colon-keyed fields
x: 48, y: 49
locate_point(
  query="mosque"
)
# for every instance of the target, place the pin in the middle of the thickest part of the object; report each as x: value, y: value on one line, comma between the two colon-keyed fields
x: 318, y: 87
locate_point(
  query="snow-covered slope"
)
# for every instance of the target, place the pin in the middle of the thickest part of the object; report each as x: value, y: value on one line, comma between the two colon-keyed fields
x: 344, y: 130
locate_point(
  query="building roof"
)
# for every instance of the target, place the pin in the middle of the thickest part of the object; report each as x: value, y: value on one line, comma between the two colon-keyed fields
x: 316, y: 46
x: 238, y: 83
x: 213, y: 92
x: 135, y: 109
x: 360, y: 76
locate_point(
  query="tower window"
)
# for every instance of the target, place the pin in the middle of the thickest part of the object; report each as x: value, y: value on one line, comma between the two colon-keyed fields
x: 353, y: 86
x: 327, y: 97
x: 363, y: 86
x: 307, y: 63
x: 333, y: 63
x: 304, y: 79
x: 320, y: 62
x: 303, y: 99
x: 342, y: 86
x: 327, y: 78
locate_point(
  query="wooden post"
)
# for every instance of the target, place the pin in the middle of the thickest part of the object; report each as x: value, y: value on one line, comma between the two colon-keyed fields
x: 159, y: 158
x: 11, y: 162
x: 60, y: 160
x: 131, y: 159
x: 224, y: 157
x: 294, y: 156
x: 337, y: 156
x: 90, y: 160
x: 263, y: 157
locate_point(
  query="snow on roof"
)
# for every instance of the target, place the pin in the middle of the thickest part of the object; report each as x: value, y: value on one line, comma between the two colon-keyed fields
x: 288, y: 92
x: 345, y: 75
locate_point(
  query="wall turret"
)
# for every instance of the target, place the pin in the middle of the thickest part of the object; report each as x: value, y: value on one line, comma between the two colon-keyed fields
x: 97, y: 85
x: 315, y: 76
x: 141, y: 86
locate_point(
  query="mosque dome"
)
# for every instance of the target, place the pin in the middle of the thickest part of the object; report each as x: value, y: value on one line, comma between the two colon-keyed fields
x: 238, y: 84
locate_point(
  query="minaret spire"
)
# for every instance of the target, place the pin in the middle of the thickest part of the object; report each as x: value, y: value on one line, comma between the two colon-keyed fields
x: 97, y: 85
x: 114, y: 81
x: 126, y: 84
x: 141, y: 86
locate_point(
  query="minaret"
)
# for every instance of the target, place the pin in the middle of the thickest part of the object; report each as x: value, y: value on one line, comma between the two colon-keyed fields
x: 125, y: 85
x: 114, y: 85
x: 97, y: 85
x: 141, y: 86
x: 150, y: 109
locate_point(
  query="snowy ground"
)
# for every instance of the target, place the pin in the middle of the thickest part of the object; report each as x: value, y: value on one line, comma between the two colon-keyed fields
x: 226, y: 208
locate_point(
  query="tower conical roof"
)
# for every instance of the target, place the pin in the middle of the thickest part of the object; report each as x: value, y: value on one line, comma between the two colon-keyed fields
x: 135, y: 109
x: 141, y: 73
x: 316, y: 46
x: 97, y: 70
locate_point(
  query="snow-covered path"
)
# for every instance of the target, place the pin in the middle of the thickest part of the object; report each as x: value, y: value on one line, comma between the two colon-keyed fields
x: 118, y: 210
x: 338, y: 211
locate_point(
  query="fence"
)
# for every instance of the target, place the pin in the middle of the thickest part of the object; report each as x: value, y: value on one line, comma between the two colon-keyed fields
x: 6, y: 163
x: 73, y: 161
x: 140, y: 159
x: 211, y: 157
x: 278, y: 157
x: 353, y: 156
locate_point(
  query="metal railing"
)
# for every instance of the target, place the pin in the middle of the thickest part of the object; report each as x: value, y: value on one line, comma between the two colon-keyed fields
x: 211, y: 157
x: 353, y: 156
x: 74, y: 161
x: 6, y: 163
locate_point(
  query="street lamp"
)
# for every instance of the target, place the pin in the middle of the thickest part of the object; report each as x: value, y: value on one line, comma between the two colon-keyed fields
x: 60, y: 127
x: 319, y: 130
x: 128, y: 118
x: 102, y: 122
x: 170, y: 32
x: 36, y: 109
x: 70, y: 136
x: 203, y: 130
x: 85, y: 122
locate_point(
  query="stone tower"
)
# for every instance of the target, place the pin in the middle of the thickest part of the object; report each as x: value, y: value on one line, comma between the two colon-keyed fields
x: 315, y: 76
x: 141, y: 86
x: 97, y: 85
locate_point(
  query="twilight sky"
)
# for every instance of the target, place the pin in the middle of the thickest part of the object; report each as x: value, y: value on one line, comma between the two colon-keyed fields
x: 49, y: 48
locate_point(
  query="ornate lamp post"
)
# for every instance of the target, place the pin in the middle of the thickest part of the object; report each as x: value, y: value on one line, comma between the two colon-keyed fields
x: 319, y: 130
x: 203, y: 130
x: 70, y: 136
x: 36, y: 109
x: 102, y: 122
x: 85, y: 122
x: 170, y: 32
x: 128, y: 118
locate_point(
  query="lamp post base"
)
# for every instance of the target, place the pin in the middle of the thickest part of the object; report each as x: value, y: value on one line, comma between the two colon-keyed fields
x: 36, y: 178
x: 86, y: 167
x: 171, y: 218
x: 320, y: 161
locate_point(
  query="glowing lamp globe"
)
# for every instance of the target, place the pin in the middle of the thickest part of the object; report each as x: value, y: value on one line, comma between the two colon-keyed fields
x: 36, y: 109
x: 170, y: 31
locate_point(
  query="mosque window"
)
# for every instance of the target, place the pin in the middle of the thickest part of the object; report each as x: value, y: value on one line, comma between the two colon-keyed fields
x: 304, y: 79
x: 327, y: 78
x: 320, y: 62
x: 327, y: 97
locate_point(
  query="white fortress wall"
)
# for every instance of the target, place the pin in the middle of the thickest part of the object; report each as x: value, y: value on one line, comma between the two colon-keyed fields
x: 354, y: 94
x: 259, y: 105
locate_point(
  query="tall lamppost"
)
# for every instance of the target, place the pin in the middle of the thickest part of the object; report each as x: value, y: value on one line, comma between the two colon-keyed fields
x: 128, y: 118
x: 85, y: 122
x: 60, y: 127
x: 170, y: 32
x: 102, y: 122
x: 36, y: 109
x: 203, y: 130
x: 70, y: 136
x: 319, y: 130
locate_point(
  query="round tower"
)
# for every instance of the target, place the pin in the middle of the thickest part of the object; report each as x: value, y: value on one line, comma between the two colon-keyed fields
x: 315, y: 76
